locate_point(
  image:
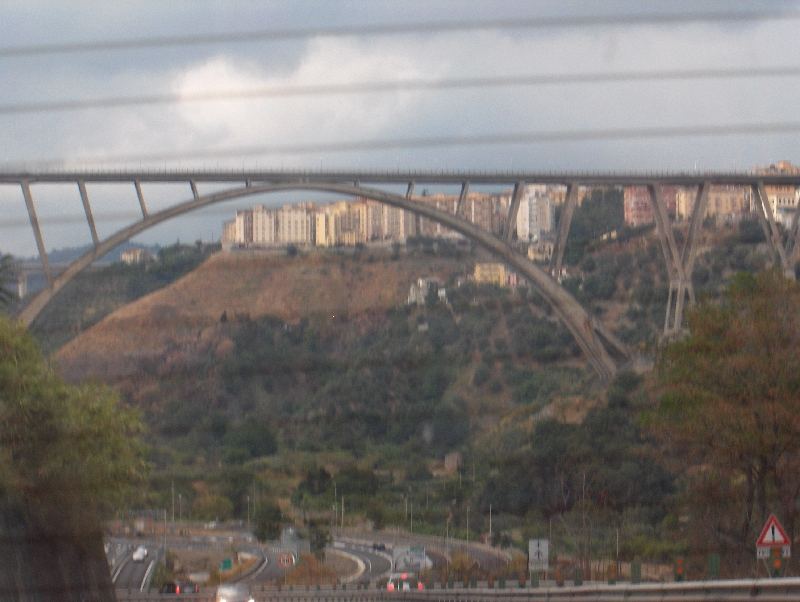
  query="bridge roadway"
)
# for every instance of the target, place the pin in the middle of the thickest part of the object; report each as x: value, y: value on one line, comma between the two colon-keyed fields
x: 601, y: 348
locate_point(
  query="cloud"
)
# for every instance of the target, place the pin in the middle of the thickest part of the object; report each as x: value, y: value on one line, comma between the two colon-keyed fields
x: 299, y: 119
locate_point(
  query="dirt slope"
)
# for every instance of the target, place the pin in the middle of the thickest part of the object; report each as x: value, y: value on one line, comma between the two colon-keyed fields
x: 182, y: 320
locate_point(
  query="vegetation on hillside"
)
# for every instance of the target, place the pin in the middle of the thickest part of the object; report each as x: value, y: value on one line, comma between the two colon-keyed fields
x: 7, y: 270
x: 91, y: 296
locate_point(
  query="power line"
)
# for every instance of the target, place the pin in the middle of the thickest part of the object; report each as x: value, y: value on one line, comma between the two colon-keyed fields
x: 390, y: 86
x: 541, y: 137
x: 275, y: 35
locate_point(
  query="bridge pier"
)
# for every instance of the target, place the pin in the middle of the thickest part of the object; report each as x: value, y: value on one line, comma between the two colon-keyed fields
x: 786, y: 255
x: 680, y: 266
x: 511, y: 222
x: 563, y: 230
x: 37, y: 232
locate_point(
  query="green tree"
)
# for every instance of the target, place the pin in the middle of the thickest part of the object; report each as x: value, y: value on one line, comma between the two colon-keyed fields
x: 318, y: 539
x: 267, y: 519
x: 7, y: 272
x: 213, y: 507
x: 730, y: 405
x: 61, y: 439
x: 68, y: 453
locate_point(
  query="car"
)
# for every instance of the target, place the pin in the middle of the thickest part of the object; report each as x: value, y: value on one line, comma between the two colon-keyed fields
x: 403, y: 582
x: 179, y: 587
x: 234, y: 593
x: 378, y: 546
x: 139, y: 554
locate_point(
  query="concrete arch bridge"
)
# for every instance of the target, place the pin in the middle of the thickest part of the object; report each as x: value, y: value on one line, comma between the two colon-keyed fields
x: 602, y: 349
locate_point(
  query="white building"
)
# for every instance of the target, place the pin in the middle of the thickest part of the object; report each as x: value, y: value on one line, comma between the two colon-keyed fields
x: 536, y: 213
x: 265, y: 226
x: 296, y: 224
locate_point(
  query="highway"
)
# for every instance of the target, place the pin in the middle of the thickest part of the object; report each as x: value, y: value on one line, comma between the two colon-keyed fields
x: 132, y: 576
x: 126, y: 573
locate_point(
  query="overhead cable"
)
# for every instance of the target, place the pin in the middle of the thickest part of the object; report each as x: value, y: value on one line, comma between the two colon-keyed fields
x: 426, y: 27
x: 540, y: 137
x: 389, y: 86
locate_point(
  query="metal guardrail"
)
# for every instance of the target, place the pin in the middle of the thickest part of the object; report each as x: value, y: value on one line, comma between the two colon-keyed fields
x: 740, y: 590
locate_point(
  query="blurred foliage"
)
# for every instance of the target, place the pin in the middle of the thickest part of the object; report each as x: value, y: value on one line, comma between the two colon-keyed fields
x: 67, y: 451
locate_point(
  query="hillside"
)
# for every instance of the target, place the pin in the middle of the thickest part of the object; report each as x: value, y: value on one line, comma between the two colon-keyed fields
x: 183, y: 319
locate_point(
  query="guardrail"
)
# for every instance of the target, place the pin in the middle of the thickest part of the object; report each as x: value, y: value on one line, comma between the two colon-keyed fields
x: 753, y: 590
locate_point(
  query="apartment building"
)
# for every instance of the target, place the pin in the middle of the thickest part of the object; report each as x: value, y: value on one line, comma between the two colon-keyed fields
x: 724, y: 202
x: 536, y: 214
x: 638, y: 209
x: 782, y: 199
x: 490, y: 273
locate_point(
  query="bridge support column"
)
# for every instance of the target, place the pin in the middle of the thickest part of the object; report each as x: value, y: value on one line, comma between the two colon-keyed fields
x: 140, y: 196
x: 37, y: 232
x: 563, y: 230
x: 787, y: 254
x: 767, y: 219
x: 679, y: 284
x: 461, y: 197
x: 88, y: 210
x: 791, y: 242
x: 511, y: 222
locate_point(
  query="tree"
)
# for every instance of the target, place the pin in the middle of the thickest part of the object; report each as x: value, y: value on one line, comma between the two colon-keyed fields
x: 67, y: 454
x: 318, y: 539
x: 7, y: 272
x: 267, y: 519
x: 213, y: 507
x: 730, y: 407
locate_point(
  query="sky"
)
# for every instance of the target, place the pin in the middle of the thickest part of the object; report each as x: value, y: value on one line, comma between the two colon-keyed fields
x: 108, y: 125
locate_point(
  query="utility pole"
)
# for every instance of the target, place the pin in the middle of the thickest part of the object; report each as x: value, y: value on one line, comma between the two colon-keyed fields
x: 173, y: 503
x: 412, y: 515
x: 248, y: 510
x: 490, y: 523
x: 342, y: 511
x: 180, y: 507
x: 467, y: 523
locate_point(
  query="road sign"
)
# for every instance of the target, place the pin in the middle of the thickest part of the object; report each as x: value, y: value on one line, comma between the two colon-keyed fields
x: 538, y: 554
x: 286, y: 560
x: 773, y: 536
x: 226, y: 564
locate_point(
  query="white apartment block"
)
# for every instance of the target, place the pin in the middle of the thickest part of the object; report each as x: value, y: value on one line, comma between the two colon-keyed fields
x: 536, y: 213
x: 265, y: 226
x: 296, y: 224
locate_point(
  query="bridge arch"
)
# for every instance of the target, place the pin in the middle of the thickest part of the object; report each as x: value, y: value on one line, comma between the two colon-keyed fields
x: 591, y: 335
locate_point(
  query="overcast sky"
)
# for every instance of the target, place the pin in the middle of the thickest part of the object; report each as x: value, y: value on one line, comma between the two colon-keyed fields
x: 250, y: 132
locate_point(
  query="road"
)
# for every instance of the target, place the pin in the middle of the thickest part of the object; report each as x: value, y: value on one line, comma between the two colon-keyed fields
x: 135, y: 576
x: 125, y: 572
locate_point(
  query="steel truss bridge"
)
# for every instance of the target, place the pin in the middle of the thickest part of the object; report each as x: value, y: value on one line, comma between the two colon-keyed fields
x: 605, y: 353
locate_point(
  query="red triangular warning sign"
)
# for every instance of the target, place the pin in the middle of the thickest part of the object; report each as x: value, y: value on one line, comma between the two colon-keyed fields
x: 773, y: 534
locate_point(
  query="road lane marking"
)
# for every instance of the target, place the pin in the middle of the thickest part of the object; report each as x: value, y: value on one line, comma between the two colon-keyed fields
x: 119, y: 568
x: 146, y: 574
